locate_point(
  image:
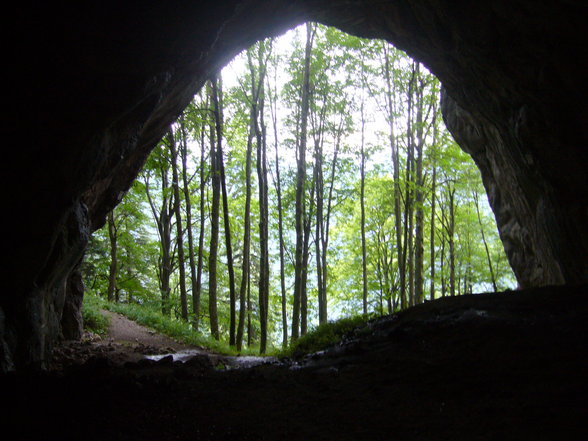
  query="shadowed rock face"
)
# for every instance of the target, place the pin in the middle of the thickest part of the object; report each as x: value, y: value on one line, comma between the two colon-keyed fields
x: 95, y: 87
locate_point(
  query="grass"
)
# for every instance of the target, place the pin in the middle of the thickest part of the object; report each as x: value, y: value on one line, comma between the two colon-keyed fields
x: 94, y: 321
x: 318, y: 339
x: 325, y: 335
x: 176, y: 329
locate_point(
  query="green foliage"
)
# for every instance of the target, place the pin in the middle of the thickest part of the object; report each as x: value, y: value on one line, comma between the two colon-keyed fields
x: 326, y: 335
x: 354, y: 83
x: 137, y: 251
x: 94, y: 321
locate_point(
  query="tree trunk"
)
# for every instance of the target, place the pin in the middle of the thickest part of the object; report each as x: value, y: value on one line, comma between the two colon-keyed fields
x: 247, y: 217
x: 490, y: 267
x: 318, y: 182
x: 300, y: 187
x: 163, y: 220
x: 278, y: 186
x: 246, y: 247
x: 197, y: 293
x: 419, y: 184
x: 249, y: 312
x: 433, y: 202
x: 217, y: 103
x: 451, y: 239
x: 442, y: 268
x: 408, y: 256
x: 362, y: 204
x: 215, y: 134
x: 112, y: 235
x: 261, y: 139
x: 396, y: 172
x: 305, y: 256
x: 432, y: 237
x: 188, y: 202
x: 327, y: 222
x: 179, y: 227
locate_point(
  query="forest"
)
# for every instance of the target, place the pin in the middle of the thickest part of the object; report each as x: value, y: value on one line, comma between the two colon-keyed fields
x: 311, y: 179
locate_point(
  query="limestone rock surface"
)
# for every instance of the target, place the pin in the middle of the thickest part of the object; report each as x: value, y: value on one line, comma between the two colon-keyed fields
x: 95, y: 85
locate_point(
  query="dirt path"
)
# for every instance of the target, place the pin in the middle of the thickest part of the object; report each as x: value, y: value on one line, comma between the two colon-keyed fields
x: 129, y: 333
x: 126, y: 341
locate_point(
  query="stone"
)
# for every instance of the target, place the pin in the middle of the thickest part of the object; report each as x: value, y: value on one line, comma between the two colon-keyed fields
x: 167, y: 360
x: 96, y: 86
x: 199, y: 362
x: 72, y: 323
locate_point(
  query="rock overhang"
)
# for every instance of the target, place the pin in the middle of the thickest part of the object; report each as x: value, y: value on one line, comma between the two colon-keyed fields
x: 99, y: 85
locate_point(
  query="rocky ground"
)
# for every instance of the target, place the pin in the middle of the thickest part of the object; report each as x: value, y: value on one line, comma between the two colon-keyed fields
x: 509, y: 366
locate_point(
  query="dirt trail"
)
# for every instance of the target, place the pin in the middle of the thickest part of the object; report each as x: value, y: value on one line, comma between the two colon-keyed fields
x: 126, y: 332
x: 126, y: 341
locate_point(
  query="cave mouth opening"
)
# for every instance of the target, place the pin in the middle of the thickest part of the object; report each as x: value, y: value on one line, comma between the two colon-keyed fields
x: 375, y: 146
x: 112, y: 82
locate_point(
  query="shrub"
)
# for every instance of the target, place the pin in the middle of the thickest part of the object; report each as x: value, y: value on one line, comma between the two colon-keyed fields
x: 94, y: 321
x: 325, y: 335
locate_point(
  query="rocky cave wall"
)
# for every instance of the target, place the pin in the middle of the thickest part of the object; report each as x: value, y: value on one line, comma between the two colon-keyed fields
x: 95, y: 86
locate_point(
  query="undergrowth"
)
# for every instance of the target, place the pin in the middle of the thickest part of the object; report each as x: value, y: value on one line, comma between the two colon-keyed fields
x: 176, y: 329
x: 318, y: 339
x: 94, y: 321
x: 325, y: 335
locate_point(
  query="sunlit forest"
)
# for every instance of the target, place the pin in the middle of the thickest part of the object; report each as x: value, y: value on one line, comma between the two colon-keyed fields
x: 311, y: 179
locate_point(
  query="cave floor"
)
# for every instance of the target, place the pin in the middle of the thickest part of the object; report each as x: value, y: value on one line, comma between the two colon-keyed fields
x: 509, y: 366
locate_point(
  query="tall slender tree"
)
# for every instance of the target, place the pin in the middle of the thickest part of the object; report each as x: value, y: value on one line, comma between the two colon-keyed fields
x: 179, y: 227
x: 218, y: 113
x: 433, y: 204
x: 363, y: 158
x: 158, y: 168
x: 299, y: 269
x: 261, y: 138
x: 197, y: 293
x: 273, y: 103
x: 195, y: 268
x: 113, y: 236
x: 243, y: 290
x: 395, y: 155
x: 216, y: 140
x: 476, y: 198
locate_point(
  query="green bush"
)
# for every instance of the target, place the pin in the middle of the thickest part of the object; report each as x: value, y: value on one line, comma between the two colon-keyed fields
x: 325, y: 335
x: 94, y: 321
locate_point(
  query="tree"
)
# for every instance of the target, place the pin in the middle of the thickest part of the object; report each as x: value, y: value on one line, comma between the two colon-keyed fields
x: 217, y: 101
x: 299, y: 313
x: 490, y: 266
x: 362, y: 205
x: 216, y: 140
x: 196, y: 263
x: 157, y: 168
x: 179, y: 227
x: 261, y: 141
x: 112, y: 235
x: 273, y: 101
x: 390, y: 109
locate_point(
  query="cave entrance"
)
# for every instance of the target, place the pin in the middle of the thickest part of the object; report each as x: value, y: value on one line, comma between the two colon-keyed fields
x: 317, y: 163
